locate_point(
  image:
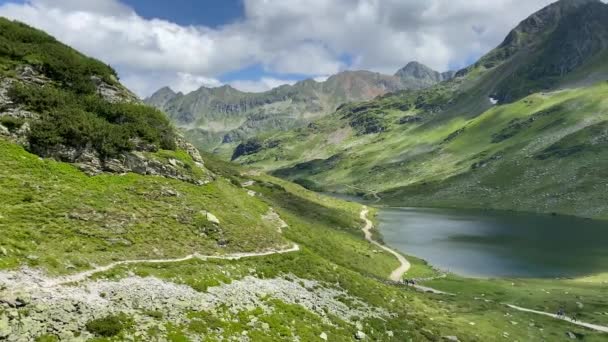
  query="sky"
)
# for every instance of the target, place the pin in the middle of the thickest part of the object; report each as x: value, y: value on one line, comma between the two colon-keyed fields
x: 255, y: 45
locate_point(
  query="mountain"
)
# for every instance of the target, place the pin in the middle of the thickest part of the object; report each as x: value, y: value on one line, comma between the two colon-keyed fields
x: 116, y: 229
x: 216, y: 119
x: 523, y: 128
x: 416, y: 76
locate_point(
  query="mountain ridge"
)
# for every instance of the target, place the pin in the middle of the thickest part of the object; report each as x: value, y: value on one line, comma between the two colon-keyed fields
x: 539, y: 90
x: 212, y: 117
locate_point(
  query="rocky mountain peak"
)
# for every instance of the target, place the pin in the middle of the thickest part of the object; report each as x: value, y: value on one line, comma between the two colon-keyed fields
x: 415, y: 71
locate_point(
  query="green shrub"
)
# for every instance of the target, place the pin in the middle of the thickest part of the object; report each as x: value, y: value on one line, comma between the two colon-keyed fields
x: 11, y: 123
x: 108, y: 326
x: 74, y: 120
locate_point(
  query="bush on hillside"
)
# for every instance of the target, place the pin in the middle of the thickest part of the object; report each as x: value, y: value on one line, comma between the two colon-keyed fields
x: 76, y: 121
x: 108, y: 326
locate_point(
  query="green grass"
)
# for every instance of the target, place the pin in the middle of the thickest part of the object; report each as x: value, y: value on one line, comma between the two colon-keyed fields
x: 56, y: 217
x: 495, y: 159
x: 38, y: 215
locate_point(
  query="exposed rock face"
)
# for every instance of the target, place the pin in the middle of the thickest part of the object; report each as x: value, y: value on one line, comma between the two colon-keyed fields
x: 89, y: 161
x: 113, y: 94
x: 419, y: 76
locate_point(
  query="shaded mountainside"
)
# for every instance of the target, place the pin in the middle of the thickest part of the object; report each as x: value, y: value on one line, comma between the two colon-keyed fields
x: 216, y: 119
x: 520, y: 129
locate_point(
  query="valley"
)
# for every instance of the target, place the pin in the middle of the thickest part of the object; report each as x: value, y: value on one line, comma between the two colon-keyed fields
x: 419, y: 206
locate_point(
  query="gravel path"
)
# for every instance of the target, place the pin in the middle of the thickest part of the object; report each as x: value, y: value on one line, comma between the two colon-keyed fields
x: 398, y: 273
x: 565, y: 318
x: 235, y: 256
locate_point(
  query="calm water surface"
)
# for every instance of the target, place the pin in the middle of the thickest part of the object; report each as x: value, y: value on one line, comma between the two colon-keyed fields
x: 498, y: 244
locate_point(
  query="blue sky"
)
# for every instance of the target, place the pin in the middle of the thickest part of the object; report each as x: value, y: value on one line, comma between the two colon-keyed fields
x: 255, y: 45
x: 210, y: 13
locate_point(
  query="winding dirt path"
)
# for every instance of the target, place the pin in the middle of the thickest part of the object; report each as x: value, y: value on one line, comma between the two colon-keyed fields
x: 565, y: 318
x: 74, y: 278
x: 398, y: 273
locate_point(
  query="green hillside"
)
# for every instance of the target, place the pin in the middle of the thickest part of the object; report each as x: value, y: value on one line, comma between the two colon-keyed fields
x: 450, y: 145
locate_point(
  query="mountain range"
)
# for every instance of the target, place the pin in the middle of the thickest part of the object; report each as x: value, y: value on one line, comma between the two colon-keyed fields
x: 217, y: 119
x: 523, y: 128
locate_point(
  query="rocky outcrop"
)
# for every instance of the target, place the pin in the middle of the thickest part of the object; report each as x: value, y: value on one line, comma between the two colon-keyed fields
x: 113, y: 93
x: 140, y: 161
x: 417, y: 75
x: 15, y: 126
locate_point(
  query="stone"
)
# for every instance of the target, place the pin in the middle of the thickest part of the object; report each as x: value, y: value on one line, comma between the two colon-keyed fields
x: 360, y: 335
x: 323, y: 336
x: 451, y: 338
x: 212, y: 218
x: 5, y: 328
x: 580, y: 305
x: 3, y: 251
x: 571, y: 335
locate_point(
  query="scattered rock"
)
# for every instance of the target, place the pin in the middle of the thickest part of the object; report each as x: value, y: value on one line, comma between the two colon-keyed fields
x: 247, y: 183
x: 360, y: 335
x: 212, y: 218
x: 5, y: 328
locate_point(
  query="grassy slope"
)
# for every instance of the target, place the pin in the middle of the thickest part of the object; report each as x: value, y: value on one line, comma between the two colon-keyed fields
x: 429, y: 163
x: 42, y: 194
x: 54, y: 216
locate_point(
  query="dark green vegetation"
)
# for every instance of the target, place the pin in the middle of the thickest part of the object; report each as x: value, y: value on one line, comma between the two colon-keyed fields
x: 62, y: 87
x: 109, y: 326
x: 540, y: 149
x: 21, y: 44
x: 218, y: 119
x: 76, y: 120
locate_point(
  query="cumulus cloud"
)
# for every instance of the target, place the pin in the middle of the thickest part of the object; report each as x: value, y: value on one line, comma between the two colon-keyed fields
x: 307, y: 37
x: 263, y: 84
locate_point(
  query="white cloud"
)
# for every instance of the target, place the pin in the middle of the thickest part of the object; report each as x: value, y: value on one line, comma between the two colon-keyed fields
x: 309, y: 37
x: 263, y: 84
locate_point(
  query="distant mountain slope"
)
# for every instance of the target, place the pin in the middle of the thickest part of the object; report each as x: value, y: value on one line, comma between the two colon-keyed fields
x: 214, y: 116
x: 523, y: 128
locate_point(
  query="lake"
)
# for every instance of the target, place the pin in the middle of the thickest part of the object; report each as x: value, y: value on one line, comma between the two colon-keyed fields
x: 498, y: 244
